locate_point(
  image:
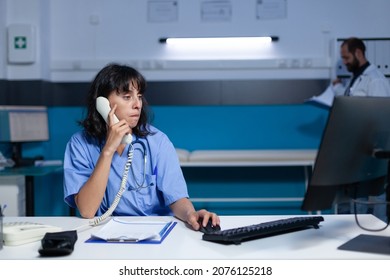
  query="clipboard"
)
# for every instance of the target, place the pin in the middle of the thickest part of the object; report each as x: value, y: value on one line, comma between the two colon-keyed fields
x: 122, y: 231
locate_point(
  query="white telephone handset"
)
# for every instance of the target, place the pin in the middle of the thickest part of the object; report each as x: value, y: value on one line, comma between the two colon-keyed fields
x: 103, y: 107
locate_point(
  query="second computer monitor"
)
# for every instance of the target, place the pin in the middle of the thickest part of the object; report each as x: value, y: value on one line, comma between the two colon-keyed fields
x: 356, y: 128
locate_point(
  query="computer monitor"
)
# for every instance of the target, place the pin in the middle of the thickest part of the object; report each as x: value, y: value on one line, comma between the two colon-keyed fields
x: 23, y: 124
x: 353, y: 155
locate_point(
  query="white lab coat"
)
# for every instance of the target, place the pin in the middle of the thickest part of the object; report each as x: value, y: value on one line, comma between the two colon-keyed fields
x: 370, y: 83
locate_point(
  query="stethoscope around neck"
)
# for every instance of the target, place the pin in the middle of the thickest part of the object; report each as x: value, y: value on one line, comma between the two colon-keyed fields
x: 130, y: 154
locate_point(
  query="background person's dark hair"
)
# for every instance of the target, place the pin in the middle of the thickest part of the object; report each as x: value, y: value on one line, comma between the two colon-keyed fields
x: 354, y: 44
x: 118, y: 78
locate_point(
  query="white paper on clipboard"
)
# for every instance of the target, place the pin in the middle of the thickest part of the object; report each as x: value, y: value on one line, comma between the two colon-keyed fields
x: 124, y: 230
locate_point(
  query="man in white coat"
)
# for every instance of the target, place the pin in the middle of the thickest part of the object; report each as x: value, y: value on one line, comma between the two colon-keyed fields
x: 366, y: 79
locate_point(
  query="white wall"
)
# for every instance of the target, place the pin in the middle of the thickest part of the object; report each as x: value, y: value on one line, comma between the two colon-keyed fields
x: 76, y: 38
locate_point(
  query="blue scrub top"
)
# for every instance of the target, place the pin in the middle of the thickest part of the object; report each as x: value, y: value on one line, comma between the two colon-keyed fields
x: 164, y: 181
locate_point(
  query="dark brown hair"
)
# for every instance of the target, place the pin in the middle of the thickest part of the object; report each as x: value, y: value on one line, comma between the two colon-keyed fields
x: 114, y: 77
x: 354, y: 44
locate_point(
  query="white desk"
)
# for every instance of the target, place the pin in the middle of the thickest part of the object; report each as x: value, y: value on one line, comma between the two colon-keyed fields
x: 185, y: 244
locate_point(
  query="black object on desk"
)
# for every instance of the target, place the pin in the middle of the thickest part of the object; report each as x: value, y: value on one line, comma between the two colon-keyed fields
x: 209, y: 228
x: 58, y: 243
x: 368, y: 244
x: 30, y: 172
x: 266, y: 229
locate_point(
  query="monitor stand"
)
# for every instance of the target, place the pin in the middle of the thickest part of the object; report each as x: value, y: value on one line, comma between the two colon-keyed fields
x: 367, y: 243
x: 17, y: 156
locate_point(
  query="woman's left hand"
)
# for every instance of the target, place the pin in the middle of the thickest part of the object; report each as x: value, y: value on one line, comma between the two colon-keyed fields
x: 200, y: 218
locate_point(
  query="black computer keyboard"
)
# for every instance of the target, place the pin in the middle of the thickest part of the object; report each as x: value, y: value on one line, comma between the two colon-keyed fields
x: 240, y: 234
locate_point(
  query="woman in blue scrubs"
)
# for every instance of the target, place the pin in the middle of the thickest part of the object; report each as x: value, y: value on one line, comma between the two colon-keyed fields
x: 95, y: 157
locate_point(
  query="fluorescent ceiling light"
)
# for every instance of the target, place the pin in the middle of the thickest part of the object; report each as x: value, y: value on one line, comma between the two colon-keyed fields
x: 214, y: 41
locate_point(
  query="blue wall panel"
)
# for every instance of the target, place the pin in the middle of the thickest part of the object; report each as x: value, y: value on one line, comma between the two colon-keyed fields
x: 242, y: 127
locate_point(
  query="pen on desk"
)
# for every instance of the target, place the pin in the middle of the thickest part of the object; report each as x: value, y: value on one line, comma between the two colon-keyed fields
x: 122, y: 239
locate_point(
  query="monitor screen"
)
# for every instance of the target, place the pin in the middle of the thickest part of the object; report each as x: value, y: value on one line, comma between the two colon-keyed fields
x: 356, y: 127
x: 23, y: 124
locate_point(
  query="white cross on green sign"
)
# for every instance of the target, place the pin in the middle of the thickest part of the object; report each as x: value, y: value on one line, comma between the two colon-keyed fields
x: 20, y: 42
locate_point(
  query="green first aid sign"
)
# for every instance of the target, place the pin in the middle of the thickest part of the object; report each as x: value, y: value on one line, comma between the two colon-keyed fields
x: 20, y: 42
